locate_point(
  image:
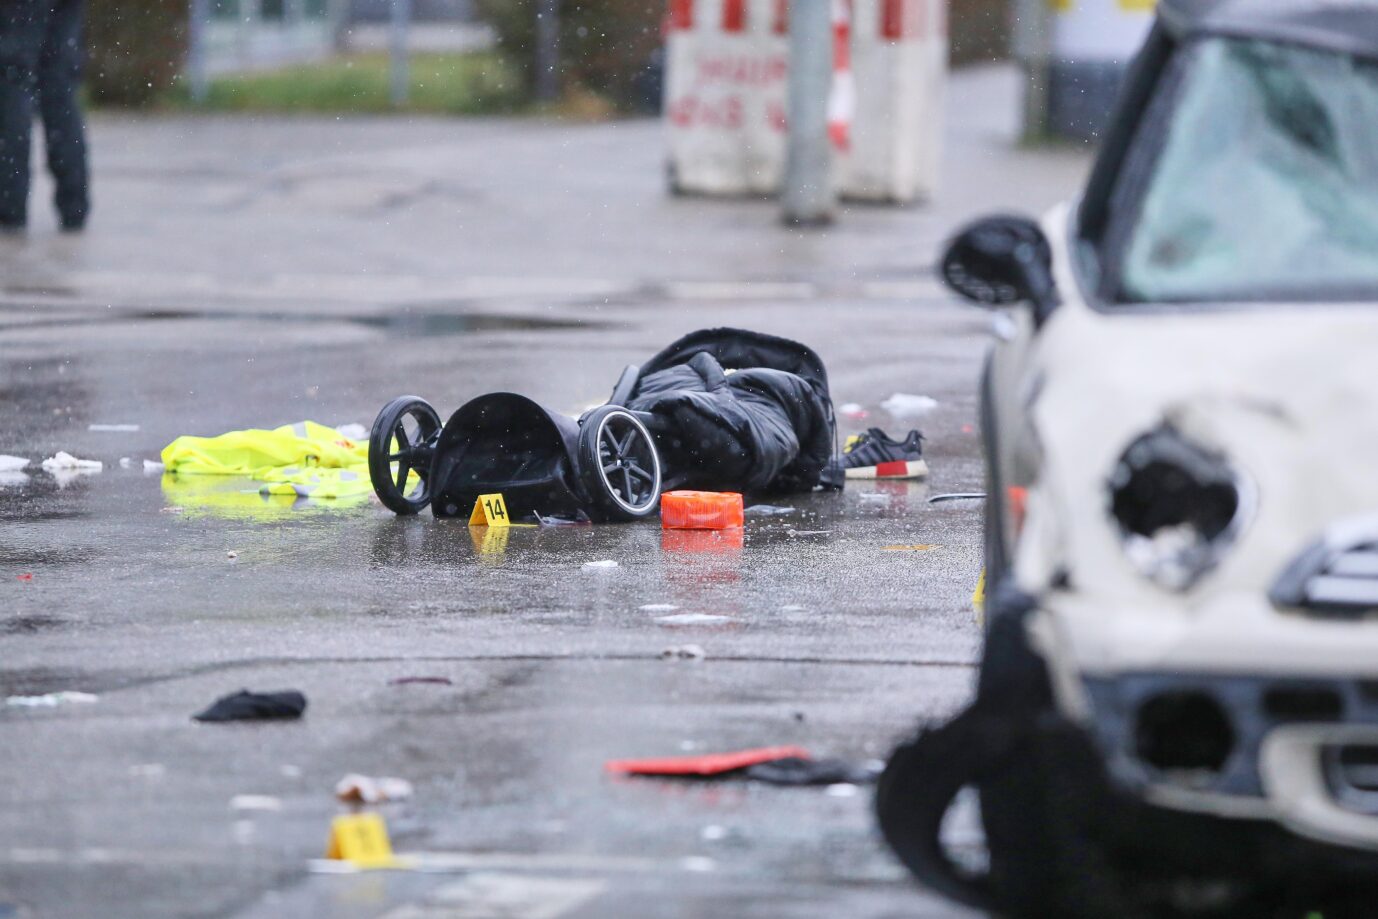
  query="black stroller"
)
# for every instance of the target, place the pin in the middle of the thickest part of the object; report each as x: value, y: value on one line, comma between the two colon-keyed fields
x: 719, y: 410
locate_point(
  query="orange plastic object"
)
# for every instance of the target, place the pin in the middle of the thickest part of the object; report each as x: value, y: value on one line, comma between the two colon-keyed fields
x: 708, y: 764
x: 701, y: 510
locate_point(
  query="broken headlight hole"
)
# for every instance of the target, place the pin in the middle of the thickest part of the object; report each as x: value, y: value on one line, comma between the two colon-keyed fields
x: 1179, y: 507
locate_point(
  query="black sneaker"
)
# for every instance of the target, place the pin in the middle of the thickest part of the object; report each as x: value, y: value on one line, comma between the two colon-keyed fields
x: 873, y: 455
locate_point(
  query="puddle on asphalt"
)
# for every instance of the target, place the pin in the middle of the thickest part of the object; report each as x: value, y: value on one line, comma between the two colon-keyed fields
x: 243, y: 498
x: 407, y: 323
x: 29, y: 625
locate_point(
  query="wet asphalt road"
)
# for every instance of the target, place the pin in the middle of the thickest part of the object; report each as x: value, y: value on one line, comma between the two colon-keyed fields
x: 829, y: 640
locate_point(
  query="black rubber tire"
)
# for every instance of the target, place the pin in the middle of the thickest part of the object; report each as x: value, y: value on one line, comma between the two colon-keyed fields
x: 615, y: 449
x: 416, y: 453
x: 996, y: 560
x: 920, y: 782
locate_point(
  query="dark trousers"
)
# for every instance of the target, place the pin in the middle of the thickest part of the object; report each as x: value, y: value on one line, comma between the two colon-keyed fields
x: 40, y: 67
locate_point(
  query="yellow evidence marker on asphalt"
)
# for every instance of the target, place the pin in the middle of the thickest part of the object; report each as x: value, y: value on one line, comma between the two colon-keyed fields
x: 362, y: 840
x: 978, y: 598
x: 489, y: 511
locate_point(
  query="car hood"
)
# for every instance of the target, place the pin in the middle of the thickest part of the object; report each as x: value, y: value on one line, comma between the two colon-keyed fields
x: 1287, y: 393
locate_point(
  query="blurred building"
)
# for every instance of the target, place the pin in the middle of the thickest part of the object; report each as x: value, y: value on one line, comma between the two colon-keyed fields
x: 1075, y: 54
x: 255, y: 34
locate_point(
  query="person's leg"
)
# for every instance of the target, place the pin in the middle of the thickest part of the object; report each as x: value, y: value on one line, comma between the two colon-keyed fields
x: 59, y: 73
x: 22, y: 26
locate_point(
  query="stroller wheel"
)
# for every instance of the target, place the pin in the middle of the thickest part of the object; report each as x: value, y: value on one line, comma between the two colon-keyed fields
x: 618, y: 464
x: 403, y: 440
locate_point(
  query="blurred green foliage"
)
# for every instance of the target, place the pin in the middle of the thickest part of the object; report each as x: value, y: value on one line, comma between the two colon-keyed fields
x: 441, y: 83
x: 605, y: 45
x: 136, y: 49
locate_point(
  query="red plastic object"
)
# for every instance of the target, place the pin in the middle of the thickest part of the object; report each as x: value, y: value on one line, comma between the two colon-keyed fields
x: 708, y: 764
x: 24, y: 577
x: 701, y: 510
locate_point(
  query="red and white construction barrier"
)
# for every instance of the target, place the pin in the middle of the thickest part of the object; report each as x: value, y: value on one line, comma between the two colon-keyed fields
x: 842, y: 101
x: 726, y: 91
x: 726, y: 83
x: 900, y: 64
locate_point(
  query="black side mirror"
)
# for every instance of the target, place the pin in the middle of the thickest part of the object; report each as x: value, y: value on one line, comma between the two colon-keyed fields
x: 1001, y: 260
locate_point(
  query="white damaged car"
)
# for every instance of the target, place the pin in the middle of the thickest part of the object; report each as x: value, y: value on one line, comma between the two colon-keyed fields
x: 1177, y: 711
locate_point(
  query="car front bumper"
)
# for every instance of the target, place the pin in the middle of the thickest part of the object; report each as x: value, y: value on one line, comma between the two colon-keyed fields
x: 1295, y: 745
x: 1275, y: 748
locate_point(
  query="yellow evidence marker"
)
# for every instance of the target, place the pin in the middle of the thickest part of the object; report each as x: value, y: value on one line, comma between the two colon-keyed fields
x: 489, y: 511
x: 978, y: 598
x: 362, y: 840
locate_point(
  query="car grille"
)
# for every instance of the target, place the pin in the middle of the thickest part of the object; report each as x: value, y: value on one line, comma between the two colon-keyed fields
x: 1352, y: 773
x: 1336, y: 577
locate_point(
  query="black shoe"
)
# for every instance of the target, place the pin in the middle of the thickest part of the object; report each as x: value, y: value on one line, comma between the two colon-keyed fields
x: 873, y: 455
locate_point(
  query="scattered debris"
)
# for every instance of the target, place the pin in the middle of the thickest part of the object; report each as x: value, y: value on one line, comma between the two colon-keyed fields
x: 659, y: 608
x: 906, y: 407
x: 788, y: 766
x: 808, y: 532
x: 410, y: 680
x: 714, y: 833
x: 113, y: 428
x: 914, y: 548
x: 255, y: 803
x: 873, y: 497
x: 579, y: 521
x: 958, y: 496
x: 684, y: 653
x: 231, y: 555
x: 52, y: 699
x: 126, y: 462
x: 606, y: 564
x: 12, y: 463
x: 173, y: 509
x: 26, y: 577
x: 768, y: 510
x: 364, y: 789
x: 66, y: 462
x: 794, y: 770
x: 852, y: 410
x: 708, y: 764
x: 255, y: 706
x: 693, y: 619
x: 842, y: 790
x: 701, y: 510
x: 150, y: 466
